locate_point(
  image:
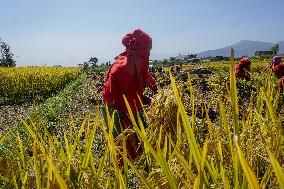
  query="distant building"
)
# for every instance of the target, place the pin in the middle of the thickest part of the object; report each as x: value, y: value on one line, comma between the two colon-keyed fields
x: 219, y: 58
x: 193, y: 60
x: 263, y: 53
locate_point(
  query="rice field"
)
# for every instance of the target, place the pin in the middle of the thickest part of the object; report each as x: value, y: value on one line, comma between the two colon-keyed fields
x: 26, y: 83
x: 206, y: 130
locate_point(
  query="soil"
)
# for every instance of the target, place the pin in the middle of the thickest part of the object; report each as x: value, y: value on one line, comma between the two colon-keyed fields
x: 9, y: 114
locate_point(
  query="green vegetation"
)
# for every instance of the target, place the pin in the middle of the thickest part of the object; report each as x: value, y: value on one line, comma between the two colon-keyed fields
x: 6, y: 58
x: 52, y: 109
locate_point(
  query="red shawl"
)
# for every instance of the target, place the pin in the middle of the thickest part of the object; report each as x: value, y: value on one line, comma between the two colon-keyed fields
x: 242, y: 71
x: 278, y: 70
x: 129, y: 74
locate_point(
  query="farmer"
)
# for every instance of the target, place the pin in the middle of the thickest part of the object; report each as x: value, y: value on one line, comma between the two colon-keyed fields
x: 129, y: 76
x: 278, y: 70
x: 277, y: 67
x: 242, y: 70
x: 276, y: 60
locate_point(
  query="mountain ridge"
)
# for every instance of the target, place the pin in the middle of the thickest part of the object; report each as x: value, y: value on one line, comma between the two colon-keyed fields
x: 242, y: 48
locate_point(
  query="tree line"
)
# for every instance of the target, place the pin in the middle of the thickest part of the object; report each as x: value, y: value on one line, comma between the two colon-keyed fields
x: 6, y: 58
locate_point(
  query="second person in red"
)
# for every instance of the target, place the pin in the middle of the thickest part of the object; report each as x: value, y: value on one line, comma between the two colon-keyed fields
x: 242, y: 70
x: 278, y: 70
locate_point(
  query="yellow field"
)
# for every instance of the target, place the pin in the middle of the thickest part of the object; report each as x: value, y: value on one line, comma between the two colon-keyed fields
x: 26, y: 82
x: 229, y: 135
x: 222, y: 64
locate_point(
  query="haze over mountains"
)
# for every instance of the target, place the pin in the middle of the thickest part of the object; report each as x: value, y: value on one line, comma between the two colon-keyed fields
x: 242, y: 48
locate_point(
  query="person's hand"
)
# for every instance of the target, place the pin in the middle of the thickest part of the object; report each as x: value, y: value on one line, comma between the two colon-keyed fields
x: 265, y: 69
x: 155, y: 89
x: 146, y: 100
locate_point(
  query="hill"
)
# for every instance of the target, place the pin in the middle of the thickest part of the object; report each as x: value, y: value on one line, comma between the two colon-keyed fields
x: 242, y: 48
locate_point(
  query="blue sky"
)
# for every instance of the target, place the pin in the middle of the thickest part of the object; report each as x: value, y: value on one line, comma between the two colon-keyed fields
x: 69, y: 32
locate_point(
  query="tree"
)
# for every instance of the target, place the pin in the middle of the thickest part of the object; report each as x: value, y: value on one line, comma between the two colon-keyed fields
x: 172, y: 59
x: 165, y: 62
x: 155, y: 62
x: 190, y: 56
x: 108, y: 63
x: 86, y: 65
x: 93, y: 62
x: 6, y: 59
x: 275, y: 48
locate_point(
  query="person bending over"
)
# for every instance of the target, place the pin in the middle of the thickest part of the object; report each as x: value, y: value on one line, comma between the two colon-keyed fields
x: 242, y: 70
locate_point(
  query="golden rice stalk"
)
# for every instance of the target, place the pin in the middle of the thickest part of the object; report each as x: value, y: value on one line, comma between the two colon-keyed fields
x: 164, y: 109
x: 163, y: 113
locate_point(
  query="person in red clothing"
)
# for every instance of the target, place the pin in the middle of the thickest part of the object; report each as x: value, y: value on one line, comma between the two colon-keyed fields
x: 276, y: 60
x: 277, y: 67
x: 278, y: 70
x: 242, y: 70
x: 129, y: 76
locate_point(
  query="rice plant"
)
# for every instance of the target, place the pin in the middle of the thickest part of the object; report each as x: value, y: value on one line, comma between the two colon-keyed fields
x: 242, y: 149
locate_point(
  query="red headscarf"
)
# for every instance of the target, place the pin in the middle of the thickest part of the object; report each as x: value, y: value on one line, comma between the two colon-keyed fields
x: 244, y: 60
x: 137, y: 41
x: 129, y: 74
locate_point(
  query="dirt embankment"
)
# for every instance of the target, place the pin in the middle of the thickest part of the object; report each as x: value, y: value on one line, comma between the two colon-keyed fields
x: 9, y: 114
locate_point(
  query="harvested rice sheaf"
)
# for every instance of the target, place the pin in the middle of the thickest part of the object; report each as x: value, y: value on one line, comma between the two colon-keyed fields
x: 163, y: 118
x: 163, y: 110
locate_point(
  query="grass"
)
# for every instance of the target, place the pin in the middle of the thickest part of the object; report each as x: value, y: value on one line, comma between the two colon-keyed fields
x: 52, y: 109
